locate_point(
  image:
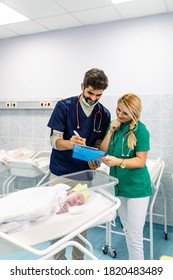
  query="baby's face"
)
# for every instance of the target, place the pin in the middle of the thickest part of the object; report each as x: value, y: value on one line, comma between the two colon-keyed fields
x: 78, y: 199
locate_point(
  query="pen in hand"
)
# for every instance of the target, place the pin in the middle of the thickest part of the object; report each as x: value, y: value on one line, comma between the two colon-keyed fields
x: 75, y: 132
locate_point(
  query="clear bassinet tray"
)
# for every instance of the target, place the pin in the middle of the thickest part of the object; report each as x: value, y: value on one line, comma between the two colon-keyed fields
x: 94, y: 179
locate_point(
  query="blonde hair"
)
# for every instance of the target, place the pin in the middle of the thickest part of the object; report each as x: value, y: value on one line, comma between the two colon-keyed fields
x: 132, y: 106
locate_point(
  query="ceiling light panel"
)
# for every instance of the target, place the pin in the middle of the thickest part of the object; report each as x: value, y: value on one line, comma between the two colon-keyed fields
x: 36, y: 8
x: 8, y: 15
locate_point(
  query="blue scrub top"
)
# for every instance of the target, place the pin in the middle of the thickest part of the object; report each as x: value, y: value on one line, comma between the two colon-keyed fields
x: 64, y: 119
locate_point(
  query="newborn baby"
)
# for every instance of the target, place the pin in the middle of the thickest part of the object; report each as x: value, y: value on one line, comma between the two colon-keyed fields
x: 77, y: 196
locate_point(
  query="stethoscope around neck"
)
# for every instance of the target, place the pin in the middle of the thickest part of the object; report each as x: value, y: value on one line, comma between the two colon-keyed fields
x: 122, y: 148
x: 97, y: 114
x: 122, y: 145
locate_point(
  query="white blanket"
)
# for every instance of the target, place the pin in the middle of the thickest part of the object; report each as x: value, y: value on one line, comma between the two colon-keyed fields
x: 30, y: 205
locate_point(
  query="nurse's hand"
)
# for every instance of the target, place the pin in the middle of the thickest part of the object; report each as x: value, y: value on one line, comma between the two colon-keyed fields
x: 78, y: 140
x: 110, y: 160
x: 114, y: 125
x: 93, y: 164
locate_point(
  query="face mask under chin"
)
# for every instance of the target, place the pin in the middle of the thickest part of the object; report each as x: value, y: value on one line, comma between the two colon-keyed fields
x: 86, y: 104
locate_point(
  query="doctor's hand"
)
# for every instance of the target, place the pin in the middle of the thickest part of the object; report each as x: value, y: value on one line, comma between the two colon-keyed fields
x: 114, y: 125
x: 93, y: 164
x: 78, y: 140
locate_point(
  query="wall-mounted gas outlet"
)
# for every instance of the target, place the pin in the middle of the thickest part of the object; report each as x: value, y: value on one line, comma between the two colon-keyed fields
x: 28, y: 104
x: 42, y: 104
x: 11, y: 104
x: 45, y: 104
x: 48, y: 104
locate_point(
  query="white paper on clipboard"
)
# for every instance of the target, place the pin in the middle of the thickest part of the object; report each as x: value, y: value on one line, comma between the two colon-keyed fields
x: 87, y: 153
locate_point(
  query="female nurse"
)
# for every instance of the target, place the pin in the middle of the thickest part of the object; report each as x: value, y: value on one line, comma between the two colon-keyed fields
x: 127, y: 146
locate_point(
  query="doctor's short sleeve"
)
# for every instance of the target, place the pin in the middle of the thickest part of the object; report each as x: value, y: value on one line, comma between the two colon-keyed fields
x: 143, y: 138
x: 58, y: 118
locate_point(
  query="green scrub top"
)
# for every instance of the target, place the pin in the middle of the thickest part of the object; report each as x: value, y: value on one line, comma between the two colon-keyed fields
x: 133, y: 182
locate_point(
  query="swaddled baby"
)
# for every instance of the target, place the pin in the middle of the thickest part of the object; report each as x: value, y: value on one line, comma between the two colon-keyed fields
x: 77, y: 196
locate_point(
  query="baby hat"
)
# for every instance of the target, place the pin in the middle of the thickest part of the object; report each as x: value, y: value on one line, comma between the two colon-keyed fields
x: 82, y: 188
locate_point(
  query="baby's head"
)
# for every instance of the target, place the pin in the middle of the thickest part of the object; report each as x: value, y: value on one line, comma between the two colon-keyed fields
x: 81, y: 195
x: 76, y: 196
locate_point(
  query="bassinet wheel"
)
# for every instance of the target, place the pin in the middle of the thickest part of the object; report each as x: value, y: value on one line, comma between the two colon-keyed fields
x: 105, y: 249
x: 113, y: 253
x: 166, y: 236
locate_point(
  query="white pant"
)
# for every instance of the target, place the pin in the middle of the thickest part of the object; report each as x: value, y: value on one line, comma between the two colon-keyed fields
x: 132, y: 213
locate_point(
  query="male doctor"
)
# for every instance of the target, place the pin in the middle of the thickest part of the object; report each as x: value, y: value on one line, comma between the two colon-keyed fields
x: 89, y: 118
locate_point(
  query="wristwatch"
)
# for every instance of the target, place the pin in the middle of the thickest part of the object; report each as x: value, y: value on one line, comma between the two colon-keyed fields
x: 123, y: 165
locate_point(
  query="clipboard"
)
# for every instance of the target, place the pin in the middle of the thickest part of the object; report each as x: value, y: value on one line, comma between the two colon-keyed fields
x: 87, y: 153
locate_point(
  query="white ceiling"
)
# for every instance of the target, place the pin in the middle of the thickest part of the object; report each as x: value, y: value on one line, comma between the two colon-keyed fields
x: 46, y: 15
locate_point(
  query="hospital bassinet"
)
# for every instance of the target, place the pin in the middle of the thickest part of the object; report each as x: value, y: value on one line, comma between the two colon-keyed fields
x: 99, y: 208
x: 6, y: 156
x: 35, y: 167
